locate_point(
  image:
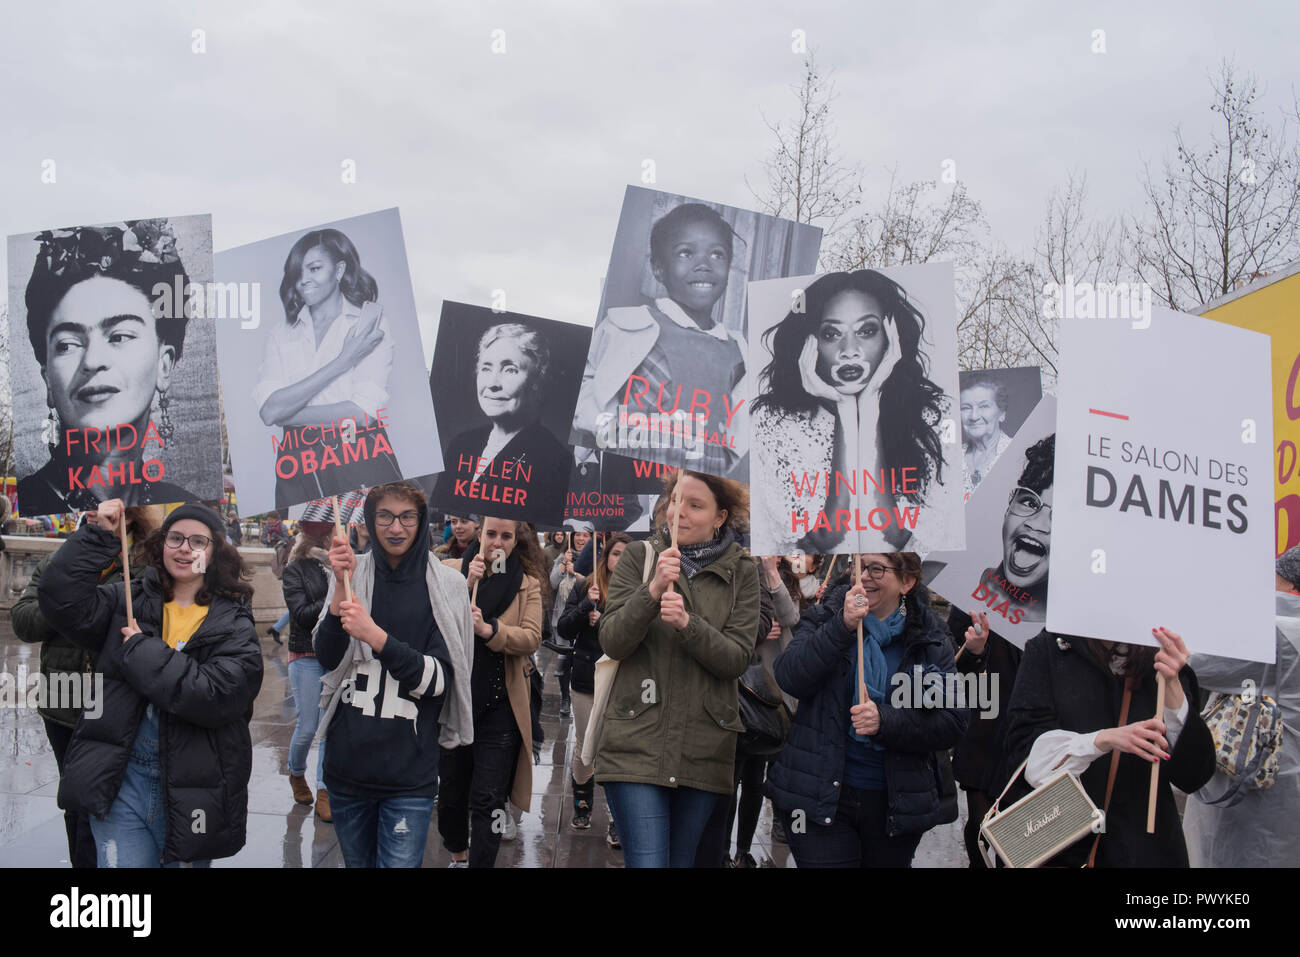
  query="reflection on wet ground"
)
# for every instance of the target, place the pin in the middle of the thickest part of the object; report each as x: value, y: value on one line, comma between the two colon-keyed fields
x: 284, y: 834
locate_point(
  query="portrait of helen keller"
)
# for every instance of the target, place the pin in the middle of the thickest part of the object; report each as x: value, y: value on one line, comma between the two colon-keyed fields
x: 105, y: 358
x: 327, y: 362
x: 512, y: 458
x: 1027, y: 534
x: 983, y: 414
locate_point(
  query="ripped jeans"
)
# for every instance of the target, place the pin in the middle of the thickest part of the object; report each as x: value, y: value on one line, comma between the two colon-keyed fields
x: 388, y: 832
x: 135, y: 830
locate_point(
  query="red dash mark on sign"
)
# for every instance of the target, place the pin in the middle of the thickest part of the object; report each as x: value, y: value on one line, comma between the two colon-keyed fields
x: 1112, y: 415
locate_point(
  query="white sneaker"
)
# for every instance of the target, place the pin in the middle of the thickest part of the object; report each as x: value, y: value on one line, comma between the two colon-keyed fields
x: 511, y: 828
x: 459, y: 864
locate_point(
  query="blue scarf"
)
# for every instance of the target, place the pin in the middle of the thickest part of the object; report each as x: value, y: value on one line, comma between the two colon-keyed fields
x: 877, y: 635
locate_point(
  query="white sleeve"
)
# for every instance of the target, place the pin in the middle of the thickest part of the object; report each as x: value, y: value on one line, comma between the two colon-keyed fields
x: 270, y: 377
x: 370, y: 377
x: 1174, y: 721
x: 1056, y: 751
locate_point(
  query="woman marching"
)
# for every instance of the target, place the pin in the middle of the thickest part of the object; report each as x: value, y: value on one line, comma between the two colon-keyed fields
x: 507, y: 614
x: 172, y: 744
x: 579, y: 623
x: 682, y: 634
x: 1063, y: 717
x: 858, y: 781
x: 306, y: 583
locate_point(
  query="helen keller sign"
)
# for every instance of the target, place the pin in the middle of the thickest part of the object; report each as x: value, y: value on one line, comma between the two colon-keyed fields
x: 1164, y: 492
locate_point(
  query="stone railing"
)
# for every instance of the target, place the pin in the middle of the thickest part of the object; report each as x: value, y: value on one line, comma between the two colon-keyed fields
x: 23, y: 552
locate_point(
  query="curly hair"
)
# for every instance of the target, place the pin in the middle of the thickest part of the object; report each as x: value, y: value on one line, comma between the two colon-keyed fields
x: 1041, y: 460
x: 357, y: 285
x: 982, y: 380
x: 227, y: 576
x: 911, y: 406
x: 666, y: 226
x: 730, y: 495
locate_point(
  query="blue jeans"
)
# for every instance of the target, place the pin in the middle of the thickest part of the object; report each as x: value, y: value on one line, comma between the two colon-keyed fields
x: 659, y: 826
x: 282, y: 624
x: 135, y: 830
x: 304, y: 683
x: 381, y: 833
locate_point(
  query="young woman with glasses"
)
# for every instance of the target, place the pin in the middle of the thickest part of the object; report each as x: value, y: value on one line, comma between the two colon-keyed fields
x: 171, y: 749
x: 859, y: 781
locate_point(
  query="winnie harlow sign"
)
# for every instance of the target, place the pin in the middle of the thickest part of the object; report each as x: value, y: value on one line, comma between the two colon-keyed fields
x: 1164, y: 505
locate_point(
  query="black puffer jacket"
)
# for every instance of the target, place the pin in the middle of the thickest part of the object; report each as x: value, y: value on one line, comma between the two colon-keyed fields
x: 815, y: 668
x: 305, y: 585
x: 574, y: 626
x: 204, y: 695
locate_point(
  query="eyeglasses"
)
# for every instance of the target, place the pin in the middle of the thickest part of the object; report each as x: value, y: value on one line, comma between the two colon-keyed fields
x: 197, y: 542
x: 1027, y: 502
x: 876, y: 571
x: 408, y: 519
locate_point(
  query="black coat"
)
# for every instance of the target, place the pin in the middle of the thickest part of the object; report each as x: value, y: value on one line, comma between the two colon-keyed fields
x: 815, y: 668
x: 574, y: 626
x: 1071, y: 689
x: 305, y: 584
x: 977, y: 759
x: 204, y: 694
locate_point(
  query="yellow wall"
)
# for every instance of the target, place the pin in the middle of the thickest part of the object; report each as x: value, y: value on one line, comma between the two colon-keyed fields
x: 1275, y: 310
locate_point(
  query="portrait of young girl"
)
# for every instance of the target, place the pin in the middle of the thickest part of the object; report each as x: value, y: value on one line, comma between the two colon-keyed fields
x: 855, y: 392
x: 669, y: 340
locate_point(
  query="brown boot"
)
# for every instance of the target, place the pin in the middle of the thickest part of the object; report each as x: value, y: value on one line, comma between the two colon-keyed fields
x: 301, y: 792
x: 323, y: 806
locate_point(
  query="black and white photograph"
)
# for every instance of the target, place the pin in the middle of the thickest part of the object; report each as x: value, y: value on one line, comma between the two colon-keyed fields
x: 603, y: 498
x: 1003, y: 571
x: 994, y: 402
x: 666, y: 380
x: 323, y: 386
x: 855, y: 440
x: 112, y: 361
x: 504, y: 386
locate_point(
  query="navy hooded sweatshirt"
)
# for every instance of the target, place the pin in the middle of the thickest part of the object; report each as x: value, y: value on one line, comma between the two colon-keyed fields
x: 383, y: 739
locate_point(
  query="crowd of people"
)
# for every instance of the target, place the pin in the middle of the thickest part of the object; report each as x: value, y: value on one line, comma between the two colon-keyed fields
x: 700, y: 681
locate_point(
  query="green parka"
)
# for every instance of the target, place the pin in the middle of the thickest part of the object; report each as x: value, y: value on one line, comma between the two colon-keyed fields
x: 59, y: 655
x: 672, y: 716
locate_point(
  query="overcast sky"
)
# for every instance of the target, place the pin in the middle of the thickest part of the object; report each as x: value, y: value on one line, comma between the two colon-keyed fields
x: 509, y: 168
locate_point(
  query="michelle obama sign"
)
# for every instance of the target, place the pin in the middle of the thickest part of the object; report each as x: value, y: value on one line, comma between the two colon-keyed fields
x: 1164, y: 493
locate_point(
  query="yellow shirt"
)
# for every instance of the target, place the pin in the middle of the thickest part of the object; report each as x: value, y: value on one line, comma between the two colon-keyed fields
x: 180, y: 624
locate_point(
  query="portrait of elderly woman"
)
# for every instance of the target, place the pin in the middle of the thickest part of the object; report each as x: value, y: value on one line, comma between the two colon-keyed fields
x: 846, y: 394
x: 510, y: 464
x: 984, y: 403
x: 107, y: 347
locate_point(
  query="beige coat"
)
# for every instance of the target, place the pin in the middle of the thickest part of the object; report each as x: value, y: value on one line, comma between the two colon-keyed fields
x: 519, y: 634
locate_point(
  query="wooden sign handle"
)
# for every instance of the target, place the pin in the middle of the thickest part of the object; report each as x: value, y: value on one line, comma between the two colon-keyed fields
x: 338, y: 530
x: 677, y: 500
x: 822, y: 590
x: 862, y: 681
x: 1155, y: 767
x: 482, y: 538
x: 126, y: 570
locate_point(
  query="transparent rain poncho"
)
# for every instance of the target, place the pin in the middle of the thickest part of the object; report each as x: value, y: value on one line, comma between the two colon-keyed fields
x: 1264, y: 829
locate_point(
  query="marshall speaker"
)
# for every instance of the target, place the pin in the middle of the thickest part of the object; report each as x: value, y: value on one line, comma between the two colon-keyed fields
x: 1040, y: 825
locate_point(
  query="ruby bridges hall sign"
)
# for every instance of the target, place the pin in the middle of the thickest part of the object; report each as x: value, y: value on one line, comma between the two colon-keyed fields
x: 1164, y: 490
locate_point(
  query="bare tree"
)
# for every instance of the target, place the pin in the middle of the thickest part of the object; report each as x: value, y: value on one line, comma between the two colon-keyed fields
x: 1220, y: 215
x: 915, y: 223
x: 807, y: 178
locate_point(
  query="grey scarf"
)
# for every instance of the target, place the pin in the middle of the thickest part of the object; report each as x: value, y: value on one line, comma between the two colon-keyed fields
x: 697, y: 557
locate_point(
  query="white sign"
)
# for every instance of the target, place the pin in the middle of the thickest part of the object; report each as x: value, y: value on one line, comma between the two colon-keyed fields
x: 1164, y: 505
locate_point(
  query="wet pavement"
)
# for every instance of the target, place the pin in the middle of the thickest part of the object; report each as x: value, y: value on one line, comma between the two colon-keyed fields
x: 282, y: 833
